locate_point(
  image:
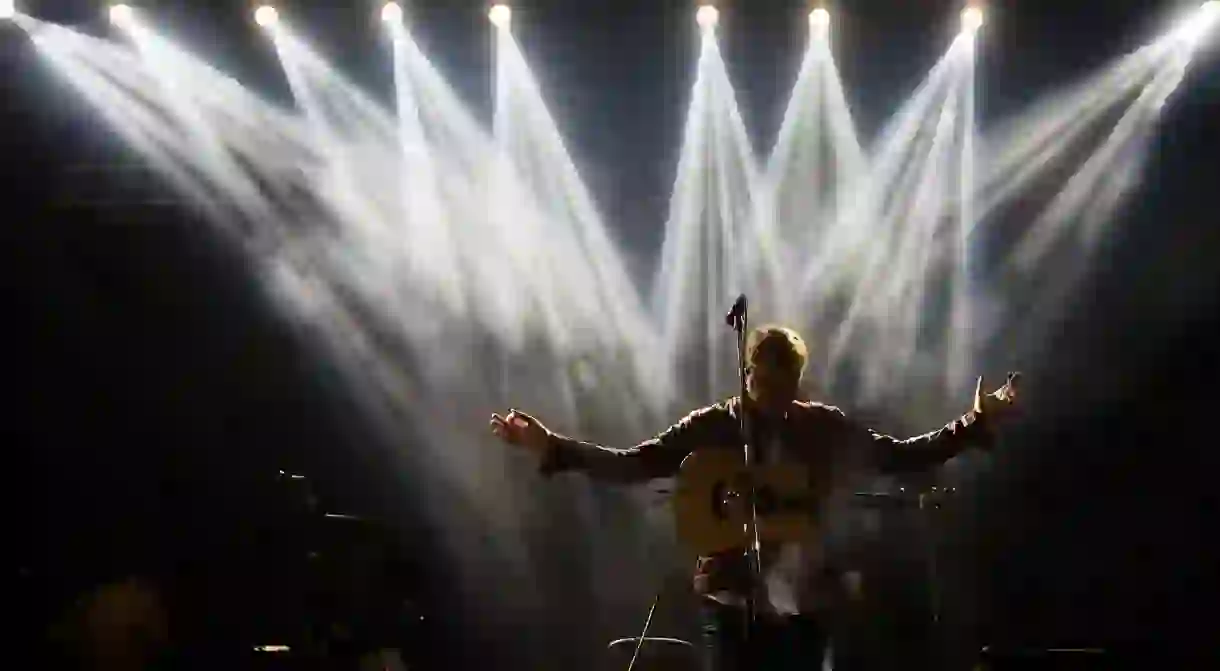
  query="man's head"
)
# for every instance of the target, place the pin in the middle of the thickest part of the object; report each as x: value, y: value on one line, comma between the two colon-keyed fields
x: 775, y: 360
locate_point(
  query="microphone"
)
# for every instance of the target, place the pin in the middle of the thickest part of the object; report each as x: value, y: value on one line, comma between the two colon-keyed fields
x: 737, y: 312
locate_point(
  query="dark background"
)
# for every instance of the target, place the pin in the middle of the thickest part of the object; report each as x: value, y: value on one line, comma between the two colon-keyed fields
x: 152, y: 397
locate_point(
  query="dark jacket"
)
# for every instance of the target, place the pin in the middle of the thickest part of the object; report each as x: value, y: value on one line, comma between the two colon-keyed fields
x: 821, y: 436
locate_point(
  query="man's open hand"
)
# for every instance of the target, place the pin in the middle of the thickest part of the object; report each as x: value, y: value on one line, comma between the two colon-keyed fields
x: 999, y: 403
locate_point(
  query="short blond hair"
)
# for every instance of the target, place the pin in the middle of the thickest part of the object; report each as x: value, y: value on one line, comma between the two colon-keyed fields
x: 780, y: 344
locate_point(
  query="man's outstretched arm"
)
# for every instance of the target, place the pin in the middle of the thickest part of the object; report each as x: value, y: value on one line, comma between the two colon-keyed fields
x: 975, y: 429
x: 659, y: 457
x: 896, y: 455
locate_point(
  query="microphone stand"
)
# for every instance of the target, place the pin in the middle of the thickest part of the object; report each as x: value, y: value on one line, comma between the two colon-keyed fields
x: 737, y: 320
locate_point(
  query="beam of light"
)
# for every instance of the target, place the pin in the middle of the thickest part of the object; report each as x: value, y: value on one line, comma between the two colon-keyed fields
x: 678, y: 253
x: 707, y: 16
x: 792, y: 186
x: 972, y: 20
x: 842, y: 252
x: 214, y: 110
x: 172, y: 68
x: 423, y: 208
x: 501, y: 16
x: 588, y: 266
x: 8, y: 9
x: 710, y: 235
x: 469, y: 152
x: 816, y: 160
x: 77, y: 58
x: 391, y: 12
x: 869, y: 267
x: 1021, y: 150
x: 266, y: 16
x: 1086, y: 185
x: 328, y: 134
x: 518, y: 212
x: 886, y: 312
x: 964, y: 332
x: 1046, y: 265
x: 122, y: 15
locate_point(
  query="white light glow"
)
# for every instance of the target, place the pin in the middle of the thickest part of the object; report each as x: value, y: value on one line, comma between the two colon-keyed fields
x: 121, y: 15
x: 819, y: 18
x: 707, y: 17
x: 391, y: 12
x: 8, y: 9
x: 266, y: 16
x: 501, y: 16
x: 1201, y: 23
x: 972, y: 20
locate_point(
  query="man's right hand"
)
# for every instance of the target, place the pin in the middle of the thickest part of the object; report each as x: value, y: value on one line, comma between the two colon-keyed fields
x: 518, y: 428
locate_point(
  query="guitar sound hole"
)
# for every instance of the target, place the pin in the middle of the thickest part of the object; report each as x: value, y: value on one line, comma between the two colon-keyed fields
x: 768, y: 502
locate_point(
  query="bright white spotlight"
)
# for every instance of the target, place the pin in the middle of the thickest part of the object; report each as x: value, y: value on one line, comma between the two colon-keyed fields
x: 8, y: 9
x: 501, y: 15
x: 266, y: 16
x: 972, y: 20
x: 391, y: 12
x: 707, y: 17
x: 121, y: 15
x: 819, y: 18
x: 1199, y: 24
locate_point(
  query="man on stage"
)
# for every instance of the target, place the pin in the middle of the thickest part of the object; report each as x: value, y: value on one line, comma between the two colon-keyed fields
x: 789, y: 631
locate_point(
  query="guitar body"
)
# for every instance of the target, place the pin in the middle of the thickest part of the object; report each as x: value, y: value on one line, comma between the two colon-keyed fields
x: 712, y: 508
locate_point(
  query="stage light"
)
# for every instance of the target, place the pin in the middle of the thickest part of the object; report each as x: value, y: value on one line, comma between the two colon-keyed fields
x: 1199, y: 24
x: 121, y: 15
x: 707, y: 17
x: 1209, y: 15
x: 8, y: 9
x: 266, y: 16
x: 972, y: 20
x: 391, y: 12
x: 501, y: 15
x: 819, y: 18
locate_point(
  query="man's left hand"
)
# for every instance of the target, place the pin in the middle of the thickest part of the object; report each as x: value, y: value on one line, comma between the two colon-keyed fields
x: 999, y: 403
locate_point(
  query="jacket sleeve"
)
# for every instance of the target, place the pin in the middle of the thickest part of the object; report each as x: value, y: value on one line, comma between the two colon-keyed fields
x: 659, y: 457
x: 894, y: 455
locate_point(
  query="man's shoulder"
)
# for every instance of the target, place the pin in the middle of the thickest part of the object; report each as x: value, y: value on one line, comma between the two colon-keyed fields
x: 709, y: 420
x: 725, y: 408
x: 815, y: 409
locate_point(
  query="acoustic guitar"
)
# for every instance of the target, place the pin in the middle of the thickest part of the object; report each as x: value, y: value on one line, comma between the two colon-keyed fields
x: 711, y: 502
